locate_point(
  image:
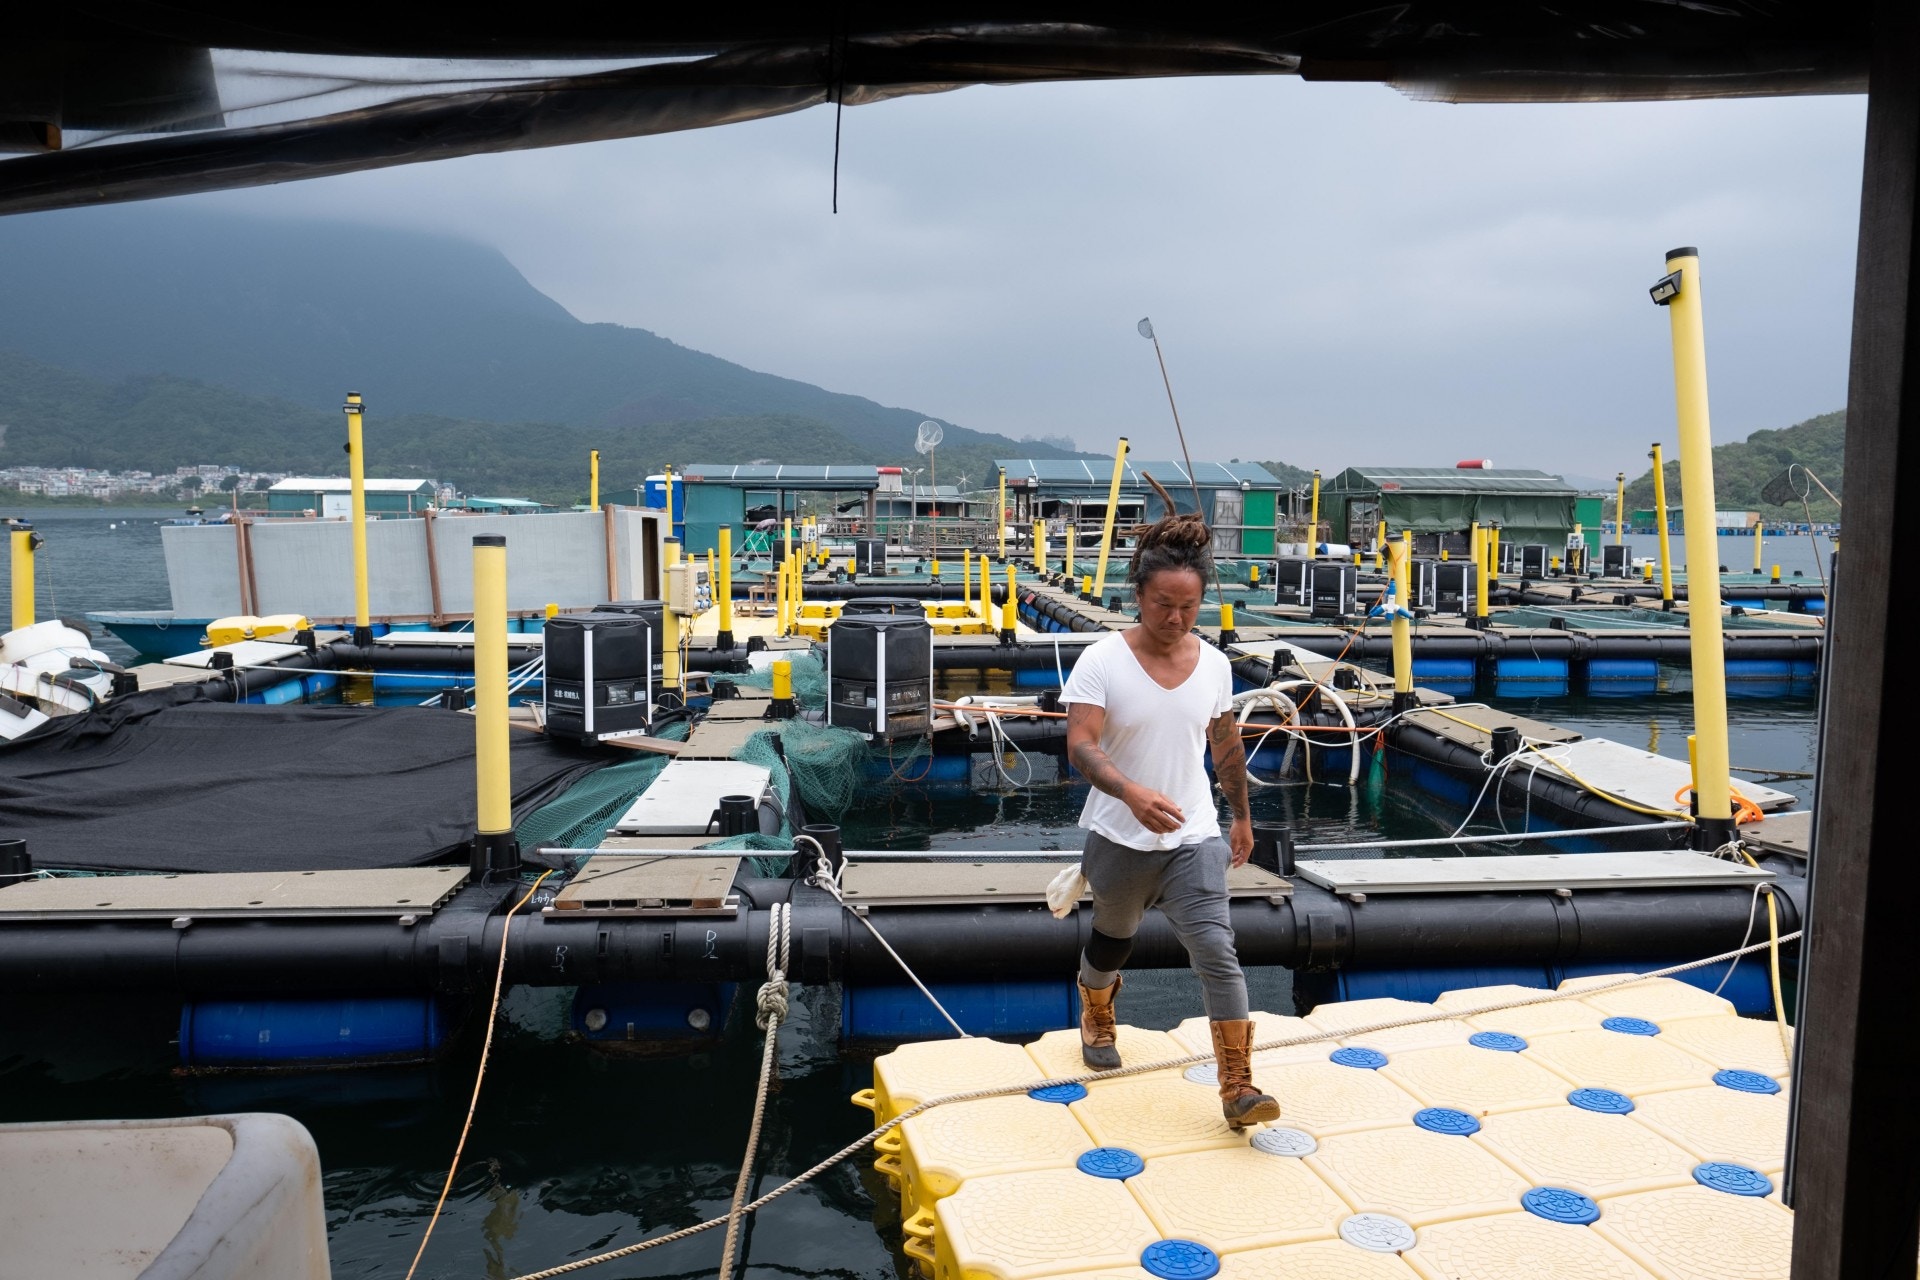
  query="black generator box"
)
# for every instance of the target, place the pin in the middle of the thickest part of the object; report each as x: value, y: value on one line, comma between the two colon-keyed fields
x: 1335, y: 586
x: 1533, y: 560
x: 1456, y: 586
x: 1616, y: 560
x: 880, y: 675
x: 1292, y: 581
x: 652, y: 612
x: 870, y: 555
x: 1423, y: 583
x: 599, y: 678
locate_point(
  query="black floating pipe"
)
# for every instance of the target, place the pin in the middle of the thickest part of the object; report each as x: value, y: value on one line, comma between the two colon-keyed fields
x: 455, y: 949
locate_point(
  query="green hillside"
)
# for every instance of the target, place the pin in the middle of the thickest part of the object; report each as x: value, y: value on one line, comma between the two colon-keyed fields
x: 51, y: 417
x: 1742, y: 469
x: 302, y: 312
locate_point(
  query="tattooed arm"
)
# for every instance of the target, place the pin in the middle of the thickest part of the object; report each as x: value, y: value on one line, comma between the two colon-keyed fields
x: 1151, y: 809
x: 1230, y: 768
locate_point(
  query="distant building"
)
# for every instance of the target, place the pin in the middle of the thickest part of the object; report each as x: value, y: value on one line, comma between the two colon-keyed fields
x: 499, y: 506
x: 1439, y: 505
x: 332, y: 496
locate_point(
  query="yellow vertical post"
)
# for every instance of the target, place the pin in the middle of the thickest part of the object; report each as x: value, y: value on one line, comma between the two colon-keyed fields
x: 1000, y: 516
x: 493, y: 848
x: 1493, y: 553
x: 669, y: 475
x: 1226, y: 622
x: 1010, y: 610
x: 669, y: 620
x: 593, y: 479
x: 1313, y: 520
x: 1759, y: 539
x: 1619, y: 508
x: 1661, y: 521
x: 723, y: 588
x: 799, y: 589
x: 786, y: 538
x: 966, y: 577
x: 1040, y: 546
x: 1478, y: 537
x: 23, y: 544
x: 1068, y: 570
x: 1776, y: 573
x: 1397, y: 558
x: 357, y: 473
x: 1086, y: 584
x: 1379, y: 544
x: 1106, y: 525
x: 986, y: 592
x: 1713, y: 777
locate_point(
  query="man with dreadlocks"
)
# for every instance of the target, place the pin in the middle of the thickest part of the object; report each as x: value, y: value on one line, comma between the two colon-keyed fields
x: 1142, y: 705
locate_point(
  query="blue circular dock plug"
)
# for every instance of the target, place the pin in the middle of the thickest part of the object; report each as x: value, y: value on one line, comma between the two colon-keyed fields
x: 1370, y: 1059
x: 1061, y: 1093
x: 1446, y: 1120
x: 1631, y: 1026
x: 1110, y: 1162
x: 1180, y: 1260
x: 1605, y: 1101
x: 1498, y: 1040
x: 1746, y: 1081
x: 1734, y: 1179
x: 1557, y: 1204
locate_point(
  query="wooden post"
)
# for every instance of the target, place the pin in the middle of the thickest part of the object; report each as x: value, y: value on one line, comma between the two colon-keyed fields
x: 1851, y: 1175
x: 433, y: 567
x: 613, y: 550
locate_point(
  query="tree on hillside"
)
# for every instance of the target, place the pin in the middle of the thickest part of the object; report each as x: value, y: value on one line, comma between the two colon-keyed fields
x: 1743, y: 468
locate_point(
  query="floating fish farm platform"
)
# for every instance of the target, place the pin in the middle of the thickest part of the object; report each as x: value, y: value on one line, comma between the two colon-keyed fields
x: 1612, y: 1130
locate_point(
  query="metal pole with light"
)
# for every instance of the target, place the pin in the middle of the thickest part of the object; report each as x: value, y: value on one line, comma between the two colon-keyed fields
x: 25, y: 542
x: 357, y: 480
x: 1145, y: 328
x: 1679, y: 292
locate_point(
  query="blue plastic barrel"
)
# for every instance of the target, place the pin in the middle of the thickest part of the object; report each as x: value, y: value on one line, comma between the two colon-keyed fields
x: 334, y: 1029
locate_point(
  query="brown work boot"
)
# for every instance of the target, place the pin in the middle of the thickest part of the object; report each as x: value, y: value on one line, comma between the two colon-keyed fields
x: 1098, y: 1032
x: 1241, y: 1103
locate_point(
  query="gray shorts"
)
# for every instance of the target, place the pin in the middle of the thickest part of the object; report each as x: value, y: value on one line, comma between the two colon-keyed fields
x: 1189, y: 885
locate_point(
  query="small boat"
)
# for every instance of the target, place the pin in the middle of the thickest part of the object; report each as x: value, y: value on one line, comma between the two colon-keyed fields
x: 208, y: 1197
x: 50, y: 669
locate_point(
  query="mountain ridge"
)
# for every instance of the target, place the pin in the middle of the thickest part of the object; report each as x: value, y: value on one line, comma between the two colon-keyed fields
x: 420, y: 323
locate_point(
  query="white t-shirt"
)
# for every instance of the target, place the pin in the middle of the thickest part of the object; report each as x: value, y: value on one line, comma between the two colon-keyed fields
x: 1156, y: 736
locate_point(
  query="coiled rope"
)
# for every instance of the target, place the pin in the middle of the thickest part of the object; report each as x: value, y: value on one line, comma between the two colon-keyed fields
x: 1345, y: 1033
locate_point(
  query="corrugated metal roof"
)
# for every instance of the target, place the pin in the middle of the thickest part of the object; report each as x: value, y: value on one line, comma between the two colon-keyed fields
x: 341, y: 484
x: 1446, y: 480
x: 782, y: 475
x: 1098, y: 473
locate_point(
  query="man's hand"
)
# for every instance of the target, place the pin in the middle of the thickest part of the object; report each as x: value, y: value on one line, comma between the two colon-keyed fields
x: 1240, y: 840
x: 1157, y: 813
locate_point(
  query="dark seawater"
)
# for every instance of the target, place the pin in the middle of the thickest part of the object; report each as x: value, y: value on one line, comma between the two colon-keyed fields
x: 574, y: 1150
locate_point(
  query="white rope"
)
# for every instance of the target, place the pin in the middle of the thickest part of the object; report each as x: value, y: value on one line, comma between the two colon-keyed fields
x: 1497, y: 839
x: 772, y: 1004
x: 823, y: 877
x: 1345, y: 1033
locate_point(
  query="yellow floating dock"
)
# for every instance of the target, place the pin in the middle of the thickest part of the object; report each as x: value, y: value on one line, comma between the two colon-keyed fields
x: 1636, y: 1132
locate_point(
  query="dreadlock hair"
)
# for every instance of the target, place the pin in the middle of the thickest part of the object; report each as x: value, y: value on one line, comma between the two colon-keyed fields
x: 1179, y: 540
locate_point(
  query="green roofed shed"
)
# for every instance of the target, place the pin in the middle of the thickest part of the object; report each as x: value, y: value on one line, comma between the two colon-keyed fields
x: 1239, y: 499
x: 1529, y: 506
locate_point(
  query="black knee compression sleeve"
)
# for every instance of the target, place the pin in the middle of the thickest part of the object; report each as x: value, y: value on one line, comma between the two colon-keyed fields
x: 1108, y: 954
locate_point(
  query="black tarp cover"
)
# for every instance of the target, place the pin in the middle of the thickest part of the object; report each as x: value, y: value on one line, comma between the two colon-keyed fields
x: 171, y: 781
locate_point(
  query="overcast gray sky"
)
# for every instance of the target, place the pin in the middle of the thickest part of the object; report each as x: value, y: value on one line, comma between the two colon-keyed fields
x: 1339, y: 275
